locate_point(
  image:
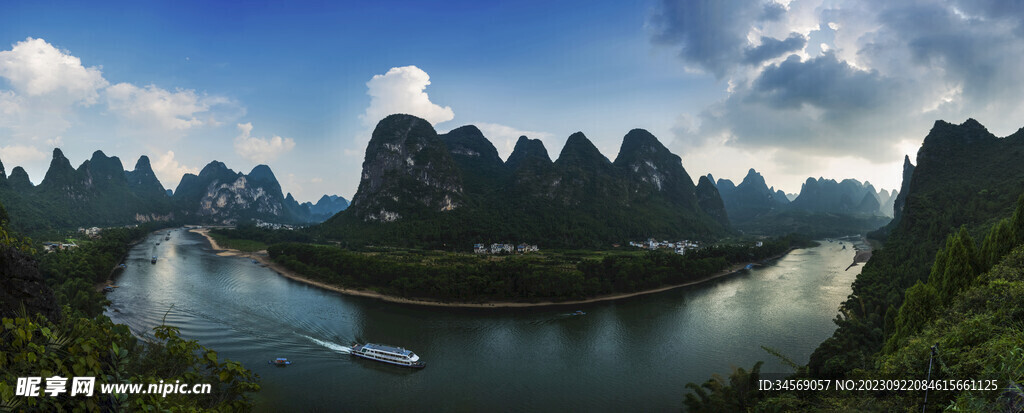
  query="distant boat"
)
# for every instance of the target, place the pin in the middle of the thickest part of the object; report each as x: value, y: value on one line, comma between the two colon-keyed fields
x: 153, y: 260
x: 579, y: 312
x: 280, y: 362
x: 387, y: 354
x: 108, y: 289
x: 749, y: 266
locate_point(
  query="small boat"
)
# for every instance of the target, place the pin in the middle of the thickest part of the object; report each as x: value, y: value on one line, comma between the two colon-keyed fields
x: 387, y: 354
x: 108, y: 289
x: 280, y: 362
x: 749, y: 266
x: 579, y: 312
x: 153, y: 260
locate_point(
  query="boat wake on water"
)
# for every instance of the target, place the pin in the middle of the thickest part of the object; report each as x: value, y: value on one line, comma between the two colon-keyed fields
x: 332, y: 346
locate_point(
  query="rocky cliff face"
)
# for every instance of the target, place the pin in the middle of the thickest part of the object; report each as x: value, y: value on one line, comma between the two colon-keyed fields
x: 650, y: 165
x: 414, y: 181
x: 482, y: 168
x: 710, y: 201
x: 222, y: 195
x: 143, y: 181
x: 407, y: 169
x: 528, y: 152
x: 900, y: 201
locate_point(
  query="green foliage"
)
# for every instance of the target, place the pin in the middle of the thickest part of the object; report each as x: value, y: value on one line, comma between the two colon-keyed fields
x: 919, y: 306
x: 95, y: 347
x: 469, y: 278
x: 249, y: 237
x: 955, y: 266
x: 739, y: 394
x: 85, y: 343
x: 953, y: 187
x: 973, y: 322
x: 997, y: 243
x: 73, y: 273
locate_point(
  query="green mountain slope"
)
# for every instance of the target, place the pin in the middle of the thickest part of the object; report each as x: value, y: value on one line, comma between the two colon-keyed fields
x: 421, y: 189
x: 965, y: 177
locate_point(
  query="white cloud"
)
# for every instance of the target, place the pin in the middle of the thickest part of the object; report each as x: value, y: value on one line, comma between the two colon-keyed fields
x: 168, y: 170
x: 46, y: 86
x: 401, y: 90
x: 36, y: 68
x: 504, y: 137
x: 260, y: 150
x: 152, y: 108
x: 14, y: 155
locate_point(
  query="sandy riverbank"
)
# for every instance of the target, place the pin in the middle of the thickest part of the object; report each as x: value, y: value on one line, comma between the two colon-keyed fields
x: 264, y: 259
x: 862, y: 254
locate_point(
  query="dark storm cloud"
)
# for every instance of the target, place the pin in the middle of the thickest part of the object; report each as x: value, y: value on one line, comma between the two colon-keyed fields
x: 973, y: 52
x: 825, y: 82
x: 888, y: 71
x: 771, y: 48
x: 709, y: 34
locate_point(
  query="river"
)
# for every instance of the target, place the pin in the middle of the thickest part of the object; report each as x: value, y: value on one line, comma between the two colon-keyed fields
x: 632, y: 354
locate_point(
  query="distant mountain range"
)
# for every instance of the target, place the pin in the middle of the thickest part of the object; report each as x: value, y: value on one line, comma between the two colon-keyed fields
x: 100, y: 192
x: 421, y: 188
x: 753, y: 198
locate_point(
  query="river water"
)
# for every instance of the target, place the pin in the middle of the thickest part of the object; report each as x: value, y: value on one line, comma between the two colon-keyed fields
x: 632, y: 354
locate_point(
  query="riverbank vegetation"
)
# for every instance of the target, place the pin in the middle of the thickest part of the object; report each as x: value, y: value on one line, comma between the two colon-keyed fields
x: 963, y: 319
x: 550, y: 275
x: 53, y: 325
x: 250, y: 238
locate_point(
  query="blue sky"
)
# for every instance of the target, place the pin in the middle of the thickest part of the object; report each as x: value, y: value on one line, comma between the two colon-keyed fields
x: 794, y: 89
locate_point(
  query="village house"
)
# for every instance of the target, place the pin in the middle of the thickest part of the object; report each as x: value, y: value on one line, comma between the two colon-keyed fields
x: 497, y: 248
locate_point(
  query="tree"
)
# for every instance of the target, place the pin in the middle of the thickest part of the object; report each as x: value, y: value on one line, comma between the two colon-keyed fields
x: 919, y: 306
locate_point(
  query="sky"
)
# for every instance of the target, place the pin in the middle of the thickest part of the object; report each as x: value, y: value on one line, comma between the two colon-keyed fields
x: 794, y: 89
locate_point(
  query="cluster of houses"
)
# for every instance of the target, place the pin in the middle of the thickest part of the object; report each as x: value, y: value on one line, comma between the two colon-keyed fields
x: 93, y: 232
x: 57, y: 246
x: 271, y: 225
x: 679, y: 247
x: 504, y: 248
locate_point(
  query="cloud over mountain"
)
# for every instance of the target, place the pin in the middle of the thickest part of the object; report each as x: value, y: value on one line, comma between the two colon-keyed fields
x: 260, y: 150
x: 845, y: 78
x: 402, y: 90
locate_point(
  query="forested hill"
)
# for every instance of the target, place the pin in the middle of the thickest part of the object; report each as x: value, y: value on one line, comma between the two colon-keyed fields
x: 422, y: 189
x: 100, y: 192
x: 965, y: 178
